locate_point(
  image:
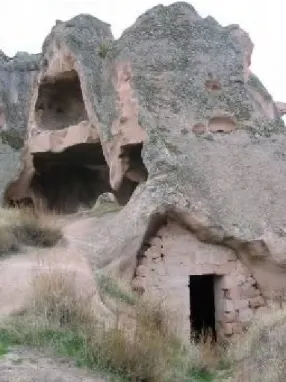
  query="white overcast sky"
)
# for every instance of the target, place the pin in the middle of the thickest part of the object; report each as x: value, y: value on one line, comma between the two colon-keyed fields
x: 25, y: 23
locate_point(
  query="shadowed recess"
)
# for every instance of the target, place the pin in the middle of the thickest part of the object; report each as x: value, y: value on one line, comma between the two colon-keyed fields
x: 60, y: 102
x: 77, y: 176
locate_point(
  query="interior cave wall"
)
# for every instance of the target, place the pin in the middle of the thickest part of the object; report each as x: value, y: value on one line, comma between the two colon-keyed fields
x: 78, y: 176
x: 60, y: 102
x: 72, y: 179
x: 64, y: 189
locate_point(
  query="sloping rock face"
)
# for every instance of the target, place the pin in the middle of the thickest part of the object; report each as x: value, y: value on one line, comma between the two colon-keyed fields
x: 178, y: 125
x: 17, y: 77
x: 281, y: 106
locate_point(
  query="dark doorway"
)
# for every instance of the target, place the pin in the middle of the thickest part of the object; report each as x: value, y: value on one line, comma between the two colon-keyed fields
x: 202, y: 307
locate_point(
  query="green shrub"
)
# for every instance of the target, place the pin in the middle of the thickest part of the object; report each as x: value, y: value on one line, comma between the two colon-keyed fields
x: 103, y: 50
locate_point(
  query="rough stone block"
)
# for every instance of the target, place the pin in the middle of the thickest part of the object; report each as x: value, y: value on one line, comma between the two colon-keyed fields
x: 156, y: 260
x: 237, y: 328
x: 228, y: 306
x: 241, y: 304
x: 141, y: 271
x: 229, y: 317
x: 255, y: 302
x: 240, y: 279
x: 248, y: 291
x: 245, y: 315
x: 233, y: 293
x: 228, y: 282
x: 262, y: 310
x: 251, y: 280
x: 227, y: 329
x: 241, y: 270
x: 224, y: 269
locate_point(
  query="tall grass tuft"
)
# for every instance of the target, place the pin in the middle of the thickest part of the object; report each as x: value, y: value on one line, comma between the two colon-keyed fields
x: 20, y: 227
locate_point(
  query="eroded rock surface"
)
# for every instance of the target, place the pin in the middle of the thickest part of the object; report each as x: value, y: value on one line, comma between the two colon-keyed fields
x: 178, y: 125
x: 17, y: 77
x: 281, y: 106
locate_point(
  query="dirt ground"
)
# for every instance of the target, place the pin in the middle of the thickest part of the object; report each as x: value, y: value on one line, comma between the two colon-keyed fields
x: 22, y: 365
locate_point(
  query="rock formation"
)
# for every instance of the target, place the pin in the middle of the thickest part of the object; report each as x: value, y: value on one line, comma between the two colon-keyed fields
x: 281, y: 106
x: 171, y: 120
x: 17, y: 77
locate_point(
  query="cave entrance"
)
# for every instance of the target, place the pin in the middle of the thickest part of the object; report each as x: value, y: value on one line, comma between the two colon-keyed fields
x: 135, y: 172
x: 202, y: 307
x: 70, y: 179
x: 60, y: 102
x: 63, y: 182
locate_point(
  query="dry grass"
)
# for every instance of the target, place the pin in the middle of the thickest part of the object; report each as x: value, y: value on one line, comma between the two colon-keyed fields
x: 261, y: 352
x: 55, y: 298
x: 23, y: 227
x: 59, y: 318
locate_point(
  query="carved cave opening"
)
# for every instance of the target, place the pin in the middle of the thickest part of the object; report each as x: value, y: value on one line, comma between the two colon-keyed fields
x: 70, y: 179
x: 223, y: 124
x: 202, y: 306
x: 60, y: 102
x: 76, y: 177
x: 134, y: 169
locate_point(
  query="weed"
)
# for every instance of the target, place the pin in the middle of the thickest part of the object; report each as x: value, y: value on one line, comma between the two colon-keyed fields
x: 103, y: 50
x: 105, y: 208
x: 3, y: 349
x: 109, y: 287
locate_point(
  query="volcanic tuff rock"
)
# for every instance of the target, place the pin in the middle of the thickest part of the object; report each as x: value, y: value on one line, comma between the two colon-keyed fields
x: 281, y: 106
x: 17, y: 76
x: 177, y: 89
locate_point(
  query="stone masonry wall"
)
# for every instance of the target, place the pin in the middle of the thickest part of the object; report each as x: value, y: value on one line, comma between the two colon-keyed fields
x: 174, y: 254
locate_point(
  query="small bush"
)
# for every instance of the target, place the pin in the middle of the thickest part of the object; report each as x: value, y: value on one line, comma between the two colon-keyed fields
x: 103, y: 50
x: 24, y: 227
